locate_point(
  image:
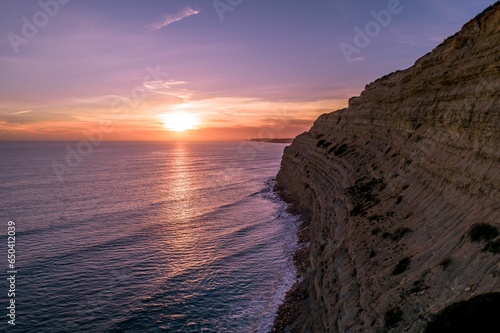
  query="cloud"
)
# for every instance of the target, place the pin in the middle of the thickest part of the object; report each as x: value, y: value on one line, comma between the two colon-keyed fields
x: 169, y: 19
x: 21, y: 112
x: 357, y: 59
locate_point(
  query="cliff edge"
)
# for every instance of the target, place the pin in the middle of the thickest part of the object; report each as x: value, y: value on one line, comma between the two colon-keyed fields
x: 403, y: 191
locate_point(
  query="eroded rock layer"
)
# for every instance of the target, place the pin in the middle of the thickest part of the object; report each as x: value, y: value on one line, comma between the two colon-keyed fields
x: 403, y: 188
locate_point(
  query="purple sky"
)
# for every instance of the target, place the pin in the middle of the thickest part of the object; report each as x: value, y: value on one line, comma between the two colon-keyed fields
x: 241, y: 68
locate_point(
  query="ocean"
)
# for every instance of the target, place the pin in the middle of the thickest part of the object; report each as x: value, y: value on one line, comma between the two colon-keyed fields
x: 144, y: 237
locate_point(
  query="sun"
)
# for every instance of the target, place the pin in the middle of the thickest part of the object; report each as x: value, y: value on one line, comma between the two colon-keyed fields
x: 179, y: 121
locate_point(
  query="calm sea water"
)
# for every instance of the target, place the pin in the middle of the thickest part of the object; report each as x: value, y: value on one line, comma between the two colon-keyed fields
x: 143, y: 237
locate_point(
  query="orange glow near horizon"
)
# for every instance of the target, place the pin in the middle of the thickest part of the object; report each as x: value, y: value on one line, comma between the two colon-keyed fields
x: 159, y: 118
x: 93, y: 73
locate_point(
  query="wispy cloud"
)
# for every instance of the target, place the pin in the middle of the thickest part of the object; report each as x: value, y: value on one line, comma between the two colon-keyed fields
x: 358, y: 59
x: 21, y: 112
x: 169, y: 19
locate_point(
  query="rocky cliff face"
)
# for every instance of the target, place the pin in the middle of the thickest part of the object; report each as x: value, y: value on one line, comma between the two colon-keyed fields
x: 403, y: 189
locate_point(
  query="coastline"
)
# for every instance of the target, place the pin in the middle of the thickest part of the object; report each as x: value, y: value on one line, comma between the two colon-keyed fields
x: 400, y: 183
x: 292, y: 313
x: 269, y: 140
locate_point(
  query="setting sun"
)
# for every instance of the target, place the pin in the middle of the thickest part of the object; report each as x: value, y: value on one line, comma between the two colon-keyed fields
x: 179, y: 121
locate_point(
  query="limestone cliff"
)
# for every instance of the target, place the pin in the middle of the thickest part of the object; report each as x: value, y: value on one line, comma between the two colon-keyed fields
x: 403, y: 190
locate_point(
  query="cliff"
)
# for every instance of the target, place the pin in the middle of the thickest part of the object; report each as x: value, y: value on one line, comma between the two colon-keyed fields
x: 403, y: 191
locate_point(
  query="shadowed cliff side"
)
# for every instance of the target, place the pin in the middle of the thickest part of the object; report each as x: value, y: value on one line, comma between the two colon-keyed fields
x: 403, y: 190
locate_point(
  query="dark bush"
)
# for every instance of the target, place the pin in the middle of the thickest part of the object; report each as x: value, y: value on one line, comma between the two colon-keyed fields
x: 493, y: 247
x: 478, y: 314
x: 363, y: 194
x: 358, y: 210
x: 445, y: 263
x: 393, y: 317
x: 363, y: 189
x: 402, y: 266
x: 482, y: 232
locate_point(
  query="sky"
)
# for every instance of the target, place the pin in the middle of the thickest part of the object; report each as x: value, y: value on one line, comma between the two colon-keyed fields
x: 227, y: 69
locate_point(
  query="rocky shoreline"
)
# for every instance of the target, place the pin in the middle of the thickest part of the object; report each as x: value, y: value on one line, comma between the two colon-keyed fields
x: 291, y: 316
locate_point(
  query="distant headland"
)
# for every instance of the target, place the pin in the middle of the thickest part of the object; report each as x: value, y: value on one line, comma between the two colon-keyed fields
x: 279, y: 140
